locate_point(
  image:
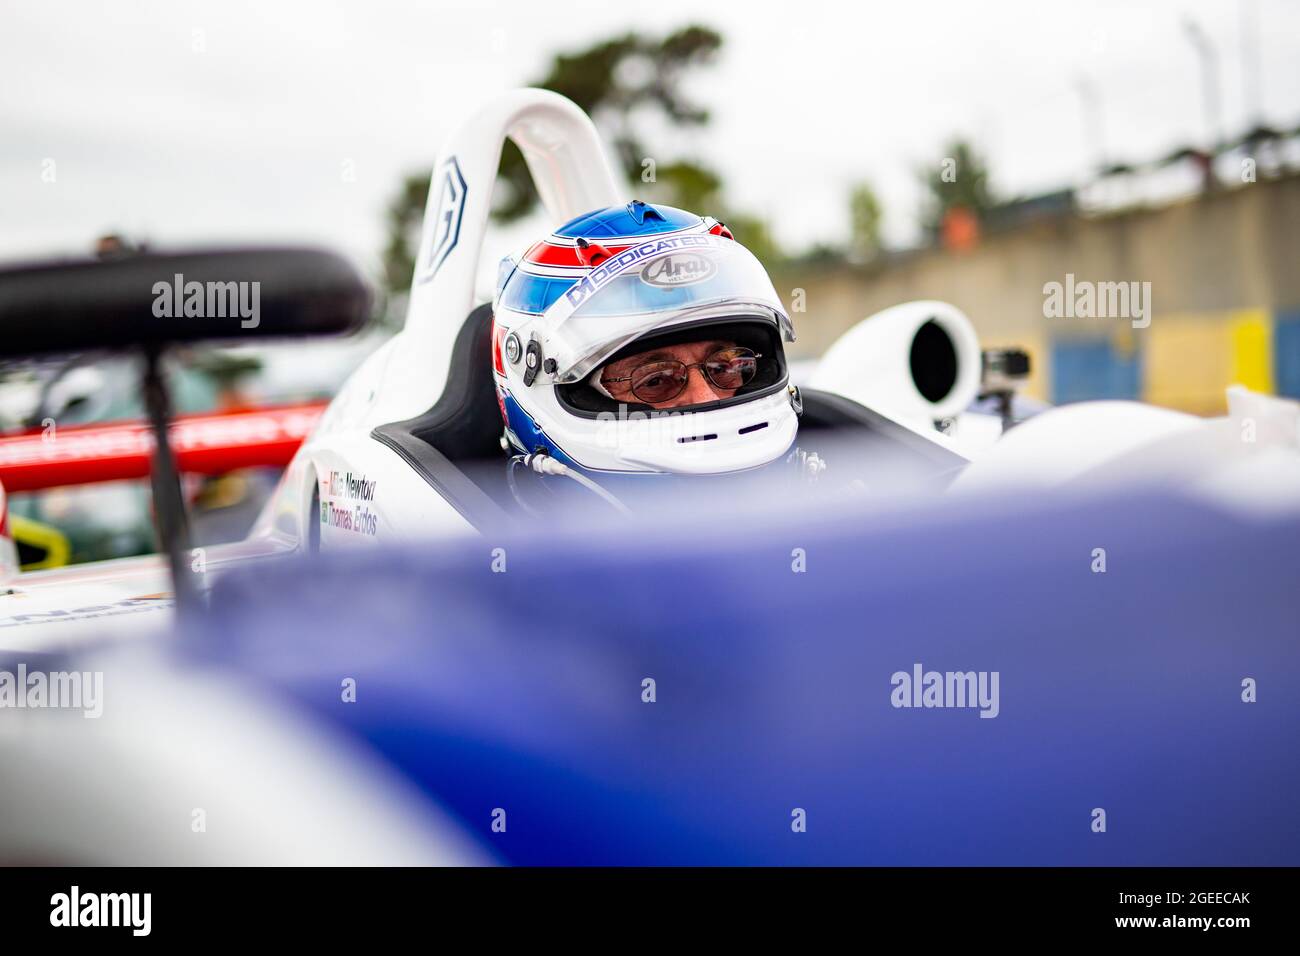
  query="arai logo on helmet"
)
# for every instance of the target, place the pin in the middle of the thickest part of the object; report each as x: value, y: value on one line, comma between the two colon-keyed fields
x: 678, y: 268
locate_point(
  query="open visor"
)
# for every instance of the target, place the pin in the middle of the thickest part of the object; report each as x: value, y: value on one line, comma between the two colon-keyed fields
x: 653, y: 286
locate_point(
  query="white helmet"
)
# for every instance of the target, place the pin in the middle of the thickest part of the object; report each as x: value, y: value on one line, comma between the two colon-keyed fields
x: 619, y: 281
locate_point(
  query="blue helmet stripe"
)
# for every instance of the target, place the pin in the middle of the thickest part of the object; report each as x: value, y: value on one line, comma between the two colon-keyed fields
x: 626, y: 222
x: 532, y: 294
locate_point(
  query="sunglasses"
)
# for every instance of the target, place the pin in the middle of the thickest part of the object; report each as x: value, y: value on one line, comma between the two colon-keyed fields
x: 655, y: 382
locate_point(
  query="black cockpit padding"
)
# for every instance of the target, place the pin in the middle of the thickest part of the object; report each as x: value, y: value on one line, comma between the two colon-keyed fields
x: 463, y: 428
x: 465, y: 423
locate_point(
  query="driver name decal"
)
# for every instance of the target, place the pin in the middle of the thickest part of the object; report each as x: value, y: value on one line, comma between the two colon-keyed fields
x: 346, y: 501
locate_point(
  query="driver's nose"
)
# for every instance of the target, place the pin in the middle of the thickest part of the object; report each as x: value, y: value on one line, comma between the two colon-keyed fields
x: 698, y: 389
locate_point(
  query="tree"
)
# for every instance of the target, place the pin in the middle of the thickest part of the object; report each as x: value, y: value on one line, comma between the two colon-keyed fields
x: 865, y: 215
x: 756, y: 236
x: 405, y: 214
x: 686, y: 185
x: 959, y: 180
x: 614, y: 82
x: 689, y: 185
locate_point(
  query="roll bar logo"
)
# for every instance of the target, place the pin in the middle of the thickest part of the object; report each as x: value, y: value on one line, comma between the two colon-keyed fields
x: 449, y: 191
x: 208, y: 300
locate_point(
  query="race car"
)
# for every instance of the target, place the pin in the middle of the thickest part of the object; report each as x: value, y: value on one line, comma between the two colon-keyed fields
x: 483, y: 700
x: 401, y: 452
x: 433, y: 435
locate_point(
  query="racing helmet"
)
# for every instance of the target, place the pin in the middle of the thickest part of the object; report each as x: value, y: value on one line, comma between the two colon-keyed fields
x: 624, y: 280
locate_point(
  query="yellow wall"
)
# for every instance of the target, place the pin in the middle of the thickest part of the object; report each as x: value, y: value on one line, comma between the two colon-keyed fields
x: 1252, y: 349
x: 1188, y: 360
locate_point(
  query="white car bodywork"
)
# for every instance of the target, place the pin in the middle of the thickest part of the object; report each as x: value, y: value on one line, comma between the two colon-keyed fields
x: 344, y: 488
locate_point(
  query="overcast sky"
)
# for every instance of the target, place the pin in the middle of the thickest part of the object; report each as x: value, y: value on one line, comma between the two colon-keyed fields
x: 201, y: 121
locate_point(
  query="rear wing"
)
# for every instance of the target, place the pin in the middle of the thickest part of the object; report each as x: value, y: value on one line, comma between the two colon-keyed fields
x: 147, y: 303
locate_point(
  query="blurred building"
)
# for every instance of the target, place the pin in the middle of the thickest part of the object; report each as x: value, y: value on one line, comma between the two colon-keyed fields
x: 1223, y: 265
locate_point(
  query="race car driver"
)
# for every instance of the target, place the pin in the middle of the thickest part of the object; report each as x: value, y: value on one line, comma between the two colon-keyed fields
x: 642, y: 340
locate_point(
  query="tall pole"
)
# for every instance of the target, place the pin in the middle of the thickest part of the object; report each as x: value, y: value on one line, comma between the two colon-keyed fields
x: 1093, y: 128
x: 1210, y: 81
x: 1251, y: 65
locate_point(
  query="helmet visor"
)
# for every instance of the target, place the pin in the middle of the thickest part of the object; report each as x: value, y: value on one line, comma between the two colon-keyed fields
x: 655, y: 285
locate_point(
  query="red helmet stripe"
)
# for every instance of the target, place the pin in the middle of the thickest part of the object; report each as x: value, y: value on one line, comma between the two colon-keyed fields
x: 498, y: 338
x: 547, y: 254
